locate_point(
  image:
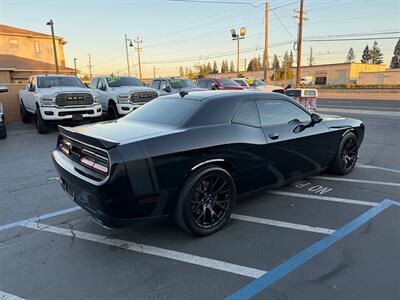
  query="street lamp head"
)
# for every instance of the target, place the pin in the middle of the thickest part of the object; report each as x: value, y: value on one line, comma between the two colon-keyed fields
x: 233, y: 33
x: 130, y: 43
x: 242, y: 31
x: 50, y: 23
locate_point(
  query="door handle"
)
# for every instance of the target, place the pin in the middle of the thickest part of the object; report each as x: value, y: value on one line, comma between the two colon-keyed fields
x: 273, y: 136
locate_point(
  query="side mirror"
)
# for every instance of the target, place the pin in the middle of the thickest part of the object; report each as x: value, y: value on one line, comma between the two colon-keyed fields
x: 167, y: 89
x: 3, y: 89
x: 31, y: 87
x: 315, y: 119
x: 102, y: 87
x: 213, y: 86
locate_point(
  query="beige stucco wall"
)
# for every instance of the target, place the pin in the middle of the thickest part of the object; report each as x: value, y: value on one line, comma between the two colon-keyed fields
x: 26, y: 48
x: 388, y: 77
x: 10, y: 102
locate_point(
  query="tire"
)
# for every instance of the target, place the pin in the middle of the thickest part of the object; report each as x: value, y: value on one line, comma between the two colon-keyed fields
x: 346, y: 156
x: 3, y: 132
x: 206, y: 201
x: 112, y: 112
x: 25, y: 115
x: 41, y: 125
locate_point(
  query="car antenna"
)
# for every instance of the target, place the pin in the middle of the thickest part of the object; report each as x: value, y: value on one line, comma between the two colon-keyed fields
x: 183, y: 93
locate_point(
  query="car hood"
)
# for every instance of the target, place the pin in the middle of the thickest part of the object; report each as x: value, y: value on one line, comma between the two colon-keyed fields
x: 131, y: 89
x: 122, y: 131
x: 63, y: 89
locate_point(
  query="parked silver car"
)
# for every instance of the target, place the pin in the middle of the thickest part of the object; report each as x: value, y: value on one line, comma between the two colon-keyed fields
x: 171, y: 85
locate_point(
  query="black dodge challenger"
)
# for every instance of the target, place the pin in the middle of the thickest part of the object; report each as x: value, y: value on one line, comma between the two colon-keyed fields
x: 190, y: 156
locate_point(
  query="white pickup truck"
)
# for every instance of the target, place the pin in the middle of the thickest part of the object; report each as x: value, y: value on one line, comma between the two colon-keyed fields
x: 120, y: 95
x: 55, y: 99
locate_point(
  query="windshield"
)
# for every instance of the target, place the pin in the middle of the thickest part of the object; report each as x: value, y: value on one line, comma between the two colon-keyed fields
x: 50, y: 81
x: 114, y: 81
x: 171, y: 111
x: 181, y: 83
x: 257, y: 83
x: 228, y: 82
x: 241, y: 82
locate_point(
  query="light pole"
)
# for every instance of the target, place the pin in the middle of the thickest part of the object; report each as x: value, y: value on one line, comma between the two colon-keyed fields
x: 237, y: 37
x: 51, y: 23
x: 127, y: 55
x: 76, y: 72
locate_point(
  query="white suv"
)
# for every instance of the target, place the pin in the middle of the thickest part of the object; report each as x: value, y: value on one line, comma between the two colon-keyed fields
x: 121, y: 95
x: 55, y: 99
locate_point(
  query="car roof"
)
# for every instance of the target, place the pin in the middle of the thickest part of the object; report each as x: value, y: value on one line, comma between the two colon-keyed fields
x: 54, y: 75
x: 169, y: 78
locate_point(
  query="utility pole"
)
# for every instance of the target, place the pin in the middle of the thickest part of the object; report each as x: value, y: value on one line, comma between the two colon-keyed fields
x: 138, y: 49
x: 311, y: 57
x: 245, y: 67
x: 51, y: 23
x: 299, y: 42
x: 266, y: 43
x: 154, y: 72
x: 90, y: 66
x: 76, y: 72
x: 237, y: 36
x: 127, y: 54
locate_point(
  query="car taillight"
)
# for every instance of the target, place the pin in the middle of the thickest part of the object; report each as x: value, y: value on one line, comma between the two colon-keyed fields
x: 94, y: 161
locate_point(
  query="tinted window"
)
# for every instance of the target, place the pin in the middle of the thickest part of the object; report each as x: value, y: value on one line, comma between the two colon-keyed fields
x: 241, y: 82
x: 204, y: 83
x: 228, y: 82
x: 179, y: 83
x: 310, y: 92
x: 275, y: 112
x: 293, y: 93
x: 172, y: 111
x: 50, y: 81
x: 93, y: 84
x: 247, y: 115
x: 155, y: 84
x: 115, y: 81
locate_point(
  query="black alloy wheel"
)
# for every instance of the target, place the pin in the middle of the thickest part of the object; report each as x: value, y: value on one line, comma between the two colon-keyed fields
x: 206, y: 201
x: 347, y: 155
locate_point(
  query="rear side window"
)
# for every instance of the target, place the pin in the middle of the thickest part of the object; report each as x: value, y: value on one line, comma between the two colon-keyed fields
x: 228, y: 82
x: 295, y: 93
x: 310, y: 92
x: 247, y: 114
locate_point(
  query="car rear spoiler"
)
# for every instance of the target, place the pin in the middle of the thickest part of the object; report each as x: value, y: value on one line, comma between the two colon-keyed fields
x: 90, y: 140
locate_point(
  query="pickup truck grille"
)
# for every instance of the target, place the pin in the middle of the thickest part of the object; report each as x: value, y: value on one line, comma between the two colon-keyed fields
x: 143, y: 96
x: 74, y: 99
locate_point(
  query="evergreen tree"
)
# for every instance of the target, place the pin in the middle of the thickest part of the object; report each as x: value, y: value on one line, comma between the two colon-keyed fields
x: 226, y: 67
x: 215, y: 68
x: 366, y: 56
x: 275, y: 62
x: 376, y: 54
x: 181, y: 73
x: 232, y: 67
x: 209, y: 69
x: 259, y: 64
x: 291, y: 59
x: 395, y: 62
x: 350, y: 56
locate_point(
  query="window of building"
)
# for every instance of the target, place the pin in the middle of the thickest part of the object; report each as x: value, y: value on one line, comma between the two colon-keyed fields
x: 37, y: 47
x: 13, y: 43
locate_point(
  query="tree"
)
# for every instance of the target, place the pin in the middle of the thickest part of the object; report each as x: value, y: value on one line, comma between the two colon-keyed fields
x: 224, y: 66
x: 275, y: 62
x: 215, y: 68
x: 291, y: 59
x: 376, y: 54
x: 366, y: 56
x: 209, y: 69
x: 181, y: 73
x: 232, y: 67
x: 254, y: 65
x: 395, y: 62
x: 350, y: 56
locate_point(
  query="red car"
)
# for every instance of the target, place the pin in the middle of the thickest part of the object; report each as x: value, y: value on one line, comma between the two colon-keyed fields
x: 218, y: 84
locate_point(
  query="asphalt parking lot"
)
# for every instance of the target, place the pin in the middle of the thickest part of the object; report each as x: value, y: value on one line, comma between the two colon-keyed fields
x: 324, y: 237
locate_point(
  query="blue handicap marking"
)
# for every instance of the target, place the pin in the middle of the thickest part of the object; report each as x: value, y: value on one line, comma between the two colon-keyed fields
x: 259, y: 284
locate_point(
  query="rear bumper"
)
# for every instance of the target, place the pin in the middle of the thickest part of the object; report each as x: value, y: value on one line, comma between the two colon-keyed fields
x: 49, y: 113
x: 111, y: 203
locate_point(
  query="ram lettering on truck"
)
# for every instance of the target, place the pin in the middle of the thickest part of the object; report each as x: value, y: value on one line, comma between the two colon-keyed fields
x: 119, y: 95
x: 56, y: 99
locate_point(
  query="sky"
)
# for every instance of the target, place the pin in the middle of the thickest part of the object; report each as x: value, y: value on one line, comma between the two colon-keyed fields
x: 176, y: 33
